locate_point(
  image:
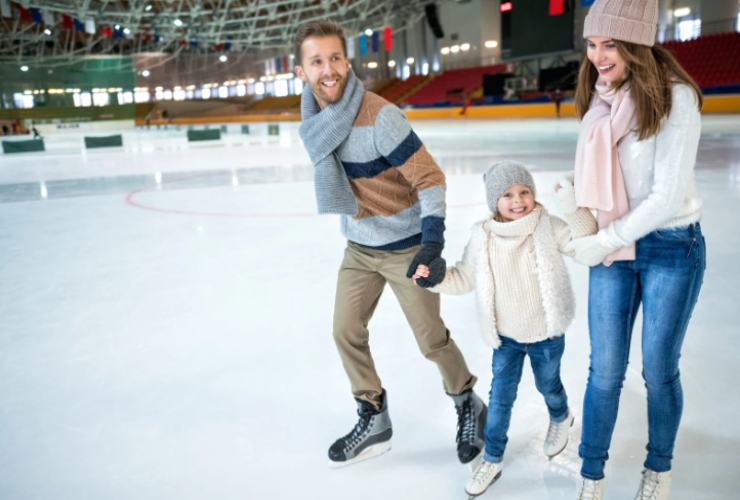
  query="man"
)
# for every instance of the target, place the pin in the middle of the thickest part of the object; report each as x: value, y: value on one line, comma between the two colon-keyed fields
x: 372, y: 169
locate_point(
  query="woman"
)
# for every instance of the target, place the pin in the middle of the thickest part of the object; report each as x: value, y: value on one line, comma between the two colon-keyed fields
x: 635, y: 159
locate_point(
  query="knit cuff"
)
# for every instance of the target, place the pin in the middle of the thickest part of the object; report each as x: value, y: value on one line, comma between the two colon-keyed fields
x: 432, y: 230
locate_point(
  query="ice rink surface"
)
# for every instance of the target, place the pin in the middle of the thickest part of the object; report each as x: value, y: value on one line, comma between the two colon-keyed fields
x: 166, y: 328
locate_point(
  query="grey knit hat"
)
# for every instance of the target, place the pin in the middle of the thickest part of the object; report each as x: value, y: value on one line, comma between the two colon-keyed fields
x: 501, y: 176
x: 633, y: 21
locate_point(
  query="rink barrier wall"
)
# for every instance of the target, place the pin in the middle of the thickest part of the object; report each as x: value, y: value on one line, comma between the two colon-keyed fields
x: 213, y: 134
x: 712, y: 104
x: 24, y: 146
x: 104, y: 141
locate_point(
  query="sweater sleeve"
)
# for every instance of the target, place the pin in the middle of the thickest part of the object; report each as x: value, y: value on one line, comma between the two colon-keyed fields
x: 460, y: 278
x: 676, y: 145
x: 397, y: 143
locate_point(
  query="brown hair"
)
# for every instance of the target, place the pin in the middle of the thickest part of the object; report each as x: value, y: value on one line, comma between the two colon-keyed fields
x: 317, y: 28
x: 650, y: 73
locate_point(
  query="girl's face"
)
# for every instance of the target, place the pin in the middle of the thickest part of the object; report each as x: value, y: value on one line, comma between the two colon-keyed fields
x: 604, y: 55
x: 516, y: 202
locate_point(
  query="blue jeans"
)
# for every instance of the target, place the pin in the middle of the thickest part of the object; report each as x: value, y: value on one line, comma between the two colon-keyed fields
x: 507, y: 364
x: 665, y: 277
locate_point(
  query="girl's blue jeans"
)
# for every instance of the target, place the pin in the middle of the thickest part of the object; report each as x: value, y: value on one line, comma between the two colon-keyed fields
x: 665, y: 278
x: 507, y: 364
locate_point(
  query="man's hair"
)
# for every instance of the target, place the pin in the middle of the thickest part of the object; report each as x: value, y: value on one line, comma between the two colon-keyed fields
x: 317, y: 28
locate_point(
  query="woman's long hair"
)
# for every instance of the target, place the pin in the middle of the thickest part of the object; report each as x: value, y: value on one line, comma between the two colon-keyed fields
x: 650, y: 73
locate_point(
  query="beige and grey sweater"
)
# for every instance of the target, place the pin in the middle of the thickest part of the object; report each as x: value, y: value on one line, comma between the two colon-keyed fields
x: 516, y: 268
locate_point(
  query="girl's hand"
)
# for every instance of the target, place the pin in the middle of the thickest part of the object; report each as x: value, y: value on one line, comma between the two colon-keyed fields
x: 422, y: 271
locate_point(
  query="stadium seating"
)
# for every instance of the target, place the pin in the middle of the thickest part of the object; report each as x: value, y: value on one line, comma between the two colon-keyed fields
x: 399, y: 90
x: 711, y: 59
x: 453, y: 85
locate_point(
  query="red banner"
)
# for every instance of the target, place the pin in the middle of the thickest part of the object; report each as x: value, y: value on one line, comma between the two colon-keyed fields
x: 557, y: 7
x: 388, y: 38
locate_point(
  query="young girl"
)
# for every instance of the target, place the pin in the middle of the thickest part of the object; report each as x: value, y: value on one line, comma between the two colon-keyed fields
x: 635, y: 164
x: 513, y: 261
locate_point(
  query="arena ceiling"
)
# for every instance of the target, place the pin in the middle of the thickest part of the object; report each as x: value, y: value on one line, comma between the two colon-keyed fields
x: 55, y: 32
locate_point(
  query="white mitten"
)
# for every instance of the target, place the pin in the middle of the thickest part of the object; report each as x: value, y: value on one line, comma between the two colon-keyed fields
x: 592, y: 250
x: 565, y: 196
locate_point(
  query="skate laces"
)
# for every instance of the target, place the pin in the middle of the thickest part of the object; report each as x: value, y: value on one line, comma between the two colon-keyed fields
x: 650, y: 484
x: 554, y: 431
x: 589, y: 490
x: 465, y: 423
x: 355, y: 435
x: 483, y: 472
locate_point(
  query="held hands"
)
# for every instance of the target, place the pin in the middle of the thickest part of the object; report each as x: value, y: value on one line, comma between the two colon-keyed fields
x: 430, y: 256
x: 592, y: 250
x: 429, y: 276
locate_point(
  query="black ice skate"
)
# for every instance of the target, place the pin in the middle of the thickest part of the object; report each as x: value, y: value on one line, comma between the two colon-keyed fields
x: 471, y: 420
x: 370, y: 437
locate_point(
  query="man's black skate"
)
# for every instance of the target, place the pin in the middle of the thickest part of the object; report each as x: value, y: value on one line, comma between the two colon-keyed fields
x: 370, y: 437
x: 471, y: 420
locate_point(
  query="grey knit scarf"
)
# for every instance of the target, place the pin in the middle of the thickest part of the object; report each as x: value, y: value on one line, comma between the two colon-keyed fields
x: 322, y: 132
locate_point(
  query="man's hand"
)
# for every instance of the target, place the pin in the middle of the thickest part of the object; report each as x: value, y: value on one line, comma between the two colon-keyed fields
x: 430, y: 255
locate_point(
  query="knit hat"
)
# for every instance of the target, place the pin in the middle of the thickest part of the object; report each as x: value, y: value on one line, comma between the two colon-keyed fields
x: 501, y: 176
x: 634, y: 21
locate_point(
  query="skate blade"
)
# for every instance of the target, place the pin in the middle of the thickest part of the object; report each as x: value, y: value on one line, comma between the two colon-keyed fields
x: 473, y: 495
x: 369, y: 452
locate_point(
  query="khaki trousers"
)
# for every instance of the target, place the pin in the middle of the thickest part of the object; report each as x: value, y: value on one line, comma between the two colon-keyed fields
x: 362, y: 277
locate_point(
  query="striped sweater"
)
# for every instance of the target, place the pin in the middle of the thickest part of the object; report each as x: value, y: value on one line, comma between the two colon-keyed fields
x: 399, y: 188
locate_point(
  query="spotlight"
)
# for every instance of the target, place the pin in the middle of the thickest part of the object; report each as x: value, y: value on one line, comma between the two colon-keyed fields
x: 145, y: 73
x: 24, y: 68
x: 223, y: 58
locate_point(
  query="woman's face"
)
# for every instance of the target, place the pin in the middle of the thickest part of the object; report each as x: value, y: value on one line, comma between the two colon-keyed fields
x: 604, y: 55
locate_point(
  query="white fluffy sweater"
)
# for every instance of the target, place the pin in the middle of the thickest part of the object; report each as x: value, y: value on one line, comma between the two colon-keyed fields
x: 516, y: 268
x: 659, y: 171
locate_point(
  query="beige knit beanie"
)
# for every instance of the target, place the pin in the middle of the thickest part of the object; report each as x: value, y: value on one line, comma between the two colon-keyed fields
x: 633, y: 21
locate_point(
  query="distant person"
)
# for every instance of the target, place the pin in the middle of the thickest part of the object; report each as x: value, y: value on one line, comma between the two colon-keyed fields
x: 35, y: 132
x: 6, y: 130
x: 525, y: 302
x: 371, y: 168
x: 635, y: 158
x: 557, y: 98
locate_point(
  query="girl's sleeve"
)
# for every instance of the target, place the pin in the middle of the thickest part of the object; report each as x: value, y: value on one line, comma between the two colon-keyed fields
x: 460, y: 278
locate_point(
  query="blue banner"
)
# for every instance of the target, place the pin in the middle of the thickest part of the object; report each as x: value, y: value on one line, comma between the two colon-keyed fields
x: 375, y: 41
x: 363, y: 45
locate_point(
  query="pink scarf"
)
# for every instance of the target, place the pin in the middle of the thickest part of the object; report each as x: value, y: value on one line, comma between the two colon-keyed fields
x: 599, y: 182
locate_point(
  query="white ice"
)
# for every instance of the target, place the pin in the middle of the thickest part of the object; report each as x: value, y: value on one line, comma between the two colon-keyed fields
x: 166, y: 329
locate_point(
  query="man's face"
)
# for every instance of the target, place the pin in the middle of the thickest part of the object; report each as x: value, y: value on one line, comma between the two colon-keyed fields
x: 324, y: 67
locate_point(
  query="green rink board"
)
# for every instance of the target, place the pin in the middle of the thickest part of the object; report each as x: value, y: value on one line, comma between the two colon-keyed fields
x: 23, y: 146
x: 204, y: 135
x: 104, y: 142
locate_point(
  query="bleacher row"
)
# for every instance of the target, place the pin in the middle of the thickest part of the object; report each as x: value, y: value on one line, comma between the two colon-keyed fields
x: 712, y: 60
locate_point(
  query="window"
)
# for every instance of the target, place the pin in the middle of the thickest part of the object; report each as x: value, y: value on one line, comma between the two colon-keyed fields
x: 141, y: 96
x: 688, y: 29
x: 281, y: 88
